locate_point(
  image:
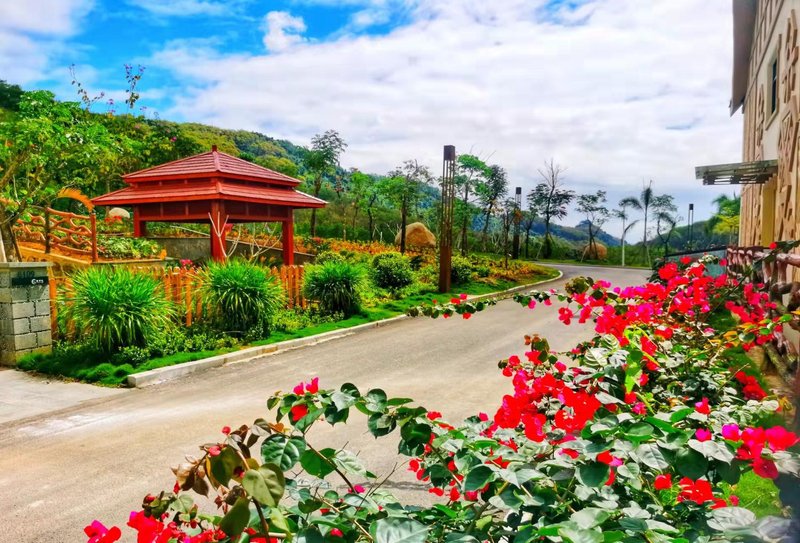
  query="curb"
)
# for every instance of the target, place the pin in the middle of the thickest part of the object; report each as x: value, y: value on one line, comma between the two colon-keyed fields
x: 169, y: 373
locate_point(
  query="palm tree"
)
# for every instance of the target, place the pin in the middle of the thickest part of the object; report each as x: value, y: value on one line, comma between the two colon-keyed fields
x: 622, y: 214
x: 642, y: 204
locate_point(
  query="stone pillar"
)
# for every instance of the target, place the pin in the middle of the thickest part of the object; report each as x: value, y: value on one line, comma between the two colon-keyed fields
x: 24, y: 310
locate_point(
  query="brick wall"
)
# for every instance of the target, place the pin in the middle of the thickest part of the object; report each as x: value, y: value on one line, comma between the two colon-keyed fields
x: 24, y: 311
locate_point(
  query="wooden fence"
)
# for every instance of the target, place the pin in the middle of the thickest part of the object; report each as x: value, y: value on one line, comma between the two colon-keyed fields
x: 181, y: 286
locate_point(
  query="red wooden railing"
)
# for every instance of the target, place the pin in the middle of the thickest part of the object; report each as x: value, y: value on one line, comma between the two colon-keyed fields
x: 60, y: 231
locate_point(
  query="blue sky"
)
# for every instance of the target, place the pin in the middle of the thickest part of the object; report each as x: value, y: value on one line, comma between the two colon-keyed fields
x: 617, y: 91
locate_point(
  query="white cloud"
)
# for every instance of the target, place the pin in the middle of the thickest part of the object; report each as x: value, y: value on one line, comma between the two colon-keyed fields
x: 618, y: 91
x: 282, y: 30
x: 33, y: 32
x: 184, y: 8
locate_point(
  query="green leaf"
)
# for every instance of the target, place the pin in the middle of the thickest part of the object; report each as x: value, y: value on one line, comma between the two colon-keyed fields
x: 283, y: 451
x: 478, y: 477
x: 681, y: 414
x: 381, y: 424
x: 662, y: 424
x: 343, y: 400
x: 691, y: 463
x: 640, y: 431
x: 730, y: 473
x: 395, y: 402
x: 577, y: 535
x: 651, y: 456
x: 265, y: 484
x: 224, y: 464
x: 731, y: 518
x: 594, y: 474
x: 712, y: 449
x: 590, y: 517
x: 316, y: 466
x: 375, y: 401
x: 400, y: 530
x: 278, y: 521
x: 235, y: 521
x: 349, y: 463
x: 454, y: 537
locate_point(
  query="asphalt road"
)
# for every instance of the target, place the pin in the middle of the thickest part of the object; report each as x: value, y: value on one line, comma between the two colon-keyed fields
x: 60, y: 471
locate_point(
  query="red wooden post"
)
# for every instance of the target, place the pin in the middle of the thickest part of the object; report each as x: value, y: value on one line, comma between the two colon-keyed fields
x: 218, y: 243
x: 139, y: 226
x: 93, y: 216
x: 288, y: 240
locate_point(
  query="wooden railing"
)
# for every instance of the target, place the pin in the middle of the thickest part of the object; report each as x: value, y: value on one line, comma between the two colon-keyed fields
x: 181, y: 287
x: 774, y: 274
x: 60, y: 231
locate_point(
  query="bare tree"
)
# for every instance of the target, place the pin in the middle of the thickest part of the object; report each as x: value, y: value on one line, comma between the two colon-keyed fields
x: 550, y: 200
x: 593, y: 208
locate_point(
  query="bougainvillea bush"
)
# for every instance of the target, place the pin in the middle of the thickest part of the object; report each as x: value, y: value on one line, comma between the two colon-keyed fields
x: 640, y: 434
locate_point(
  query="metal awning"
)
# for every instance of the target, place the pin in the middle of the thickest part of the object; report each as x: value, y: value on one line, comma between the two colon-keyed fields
x: 739, y: 173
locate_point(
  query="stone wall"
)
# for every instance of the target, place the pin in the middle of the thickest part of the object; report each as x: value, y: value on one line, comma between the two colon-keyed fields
x: 199, y: 249
x: 24, y: 310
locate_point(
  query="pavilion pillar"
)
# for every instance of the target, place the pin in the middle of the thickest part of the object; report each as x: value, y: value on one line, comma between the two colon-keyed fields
x: 139, y: 226
x: 287, y: 239
x: 218, y: 234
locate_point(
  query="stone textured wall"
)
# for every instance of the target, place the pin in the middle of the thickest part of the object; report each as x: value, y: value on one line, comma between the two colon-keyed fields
x: 24, y: 312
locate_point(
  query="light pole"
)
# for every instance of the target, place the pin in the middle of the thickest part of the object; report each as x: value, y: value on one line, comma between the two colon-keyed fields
x: 446, y: 217
x: 517, y: 218
x: 691, y: 226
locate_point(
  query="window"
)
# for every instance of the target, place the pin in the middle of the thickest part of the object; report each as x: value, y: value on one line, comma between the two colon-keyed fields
x: 773, y: 86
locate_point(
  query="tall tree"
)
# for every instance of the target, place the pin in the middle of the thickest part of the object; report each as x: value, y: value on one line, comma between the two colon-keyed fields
x: 550, y: 200
x: 643, y: 203
x: 527, y: 222
x: 321, y: 161
x: 9, y: 96
x: 627, y: 224
x: 470, y: 171
x: 596, y: 213
x: 364, y: 194
x: 403, y: 187
x: 510, y: 214
x: 490, y: 192
x: 664, y: 211
x: 48, y: 146
x: 726, y: 220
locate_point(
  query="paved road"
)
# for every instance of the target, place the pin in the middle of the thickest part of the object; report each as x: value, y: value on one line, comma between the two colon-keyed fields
x: 60, y: 471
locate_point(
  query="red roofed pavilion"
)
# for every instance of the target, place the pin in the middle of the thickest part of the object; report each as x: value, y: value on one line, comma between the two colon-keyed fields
x: 212, y: 187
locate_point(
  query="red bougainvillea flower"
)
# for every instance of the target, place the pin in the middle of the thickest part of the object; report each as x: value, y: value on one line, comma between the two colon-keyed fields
x: 226, y: 430
x: 298, y: 412
x: 336, y: 532
x: 359, y: 489
x: 698, y: 491
x: 214, y: 450
x: 780, y: 439
x: 702, y: 434
x: 466, y: 316
x: 607, y: 458
x: 702, y: 407
x: 565, y: 315
x: 436, y: 491
x: 454, y: 494
x: 313, y: 386
x: 765, y: 468
x: 462, y: 296
x: 98, y: 533
x: 560, y: 367
x: 668, y: 271
x: 663, y: 482
x: 773, y: 245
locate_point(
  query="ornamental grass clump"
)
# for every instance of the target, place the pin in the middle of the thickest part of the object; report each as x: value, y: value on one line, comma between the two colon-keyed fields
x: 336, y: 286
x: 239, y: 297
x: 391, y: 271
x: 115, y: 307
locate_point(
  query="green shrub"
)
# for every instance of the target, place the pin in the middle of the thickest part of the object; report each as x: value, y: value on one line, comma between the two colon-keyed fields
x: 391, y: 271
x: 336, y: 286
x: 461, y: 270
x: 482, y: 270
x: 135, y: 356
x: 328, y: 256
x: 115, y: 307
x: 121, y: 247
x: 239, y: 296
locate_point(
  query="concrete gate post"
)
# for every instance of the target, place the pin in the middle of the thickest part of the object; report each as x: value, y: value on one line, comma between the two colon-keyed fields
x: 24, y: 310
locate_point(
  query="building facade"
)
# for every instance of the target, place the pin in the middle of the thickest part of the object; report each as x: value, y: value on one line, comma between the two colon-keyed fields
x: 765, y: 88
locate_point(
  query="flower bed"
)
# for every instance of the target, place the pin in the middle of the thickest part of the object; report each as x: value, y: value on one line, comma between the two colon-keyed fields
x: 643, y: 433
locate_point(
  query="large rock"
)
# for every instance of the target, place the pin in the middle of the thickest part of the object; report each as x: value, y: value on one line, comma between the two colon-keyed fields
x: 597, y: 251
x: 119, y: 212
x: 417, y: 235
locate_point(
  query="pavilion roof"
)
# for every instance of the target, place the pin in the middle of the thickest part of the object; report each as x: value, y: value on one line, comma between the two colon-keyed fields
x: 214, y: 163
x: 284, y: 196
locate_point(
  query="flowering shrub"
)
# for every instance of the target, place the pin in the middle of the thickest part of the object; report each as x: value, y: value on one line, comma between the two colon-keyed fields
x: 632, y: 436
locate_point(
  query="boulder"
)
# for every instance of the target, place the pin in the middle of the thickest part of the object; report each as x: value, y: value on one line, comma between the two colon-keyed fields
x: 417, y: 235
x: 597, y: 251
x: 119, y: 212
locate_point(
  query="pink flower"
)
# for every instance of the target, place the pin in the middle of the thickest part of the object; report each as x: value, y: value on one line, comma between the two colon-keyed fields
x: 462, y: 296
x: 532, y: 304
x: 560, y: 366
x: 779, y: 438
x: 731, y: 432
x: 359, y: 489
x: 702, y: 407
x: 226, y: 430
x: 97, y: 533
x: 702, y: 434
x: 214, y: 450
x: 336, y: 532
x: 639, y: 408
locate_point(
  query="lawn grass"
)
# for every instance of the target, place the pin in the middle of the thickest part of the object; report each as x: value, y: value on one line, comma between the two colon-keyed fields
x: 757, y: 494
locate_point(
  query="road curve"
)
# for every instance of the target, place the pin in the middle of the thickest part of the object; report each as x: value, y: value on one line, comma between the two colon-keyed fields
x: 60, y: 471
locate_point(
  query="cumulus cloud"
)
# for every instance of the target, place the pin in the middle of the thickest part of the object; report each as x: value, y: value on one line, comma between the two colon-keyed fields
x: 618, y: 91
x: 33, y: 32
x: 282, y: 30
x: 187, y: 8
